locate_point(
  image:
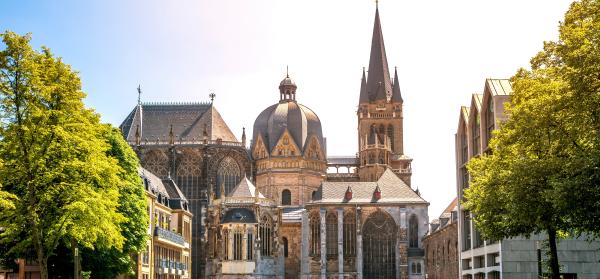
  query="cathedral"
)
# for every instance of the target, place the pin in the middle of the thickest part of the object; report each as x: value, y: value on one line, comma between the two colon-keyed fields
x: 269, y: 208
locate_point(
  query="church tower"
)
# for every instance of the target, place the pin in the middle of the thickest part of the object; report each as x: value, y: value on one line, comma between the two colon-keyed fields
x: 380, y: 120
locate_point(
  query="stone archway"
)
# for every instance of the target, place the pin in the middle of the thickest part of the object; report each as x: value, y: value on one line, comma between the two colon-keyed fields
x: 379, y: 246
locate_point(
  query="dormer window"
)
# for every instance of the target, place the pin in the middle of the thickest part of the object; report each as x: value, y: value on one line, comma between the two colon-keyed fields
x: 377, y: 193
x: 348, y: 195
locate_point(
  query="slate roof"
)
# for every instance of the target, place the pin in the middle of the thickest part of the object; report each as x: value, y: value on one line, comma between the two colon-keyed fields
x: 188, y: 120
x: 165, y: 187
x: 299, y: 120
x: 393, y: 190
x: 342, y: 160
x: 245, y: 189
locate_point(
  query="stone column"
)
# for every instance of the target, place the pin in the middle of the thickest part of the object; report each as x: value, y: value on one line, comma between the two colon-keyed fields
x: 304, y: 247
x: 322, y: 212
x: 402, y: 264
x: 359, y: 252
x: 340, y: 212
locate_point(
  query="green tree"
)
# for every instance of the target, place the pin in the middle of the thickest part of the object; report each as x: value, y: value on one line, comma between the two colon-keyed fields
x: 110, y: 262
x: 543, y: 171
x: 55, y: 159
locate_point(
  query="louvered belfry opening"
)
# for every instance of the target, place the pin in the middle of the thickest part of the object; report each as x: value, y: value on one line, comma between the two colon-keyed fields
x: 379, y: 246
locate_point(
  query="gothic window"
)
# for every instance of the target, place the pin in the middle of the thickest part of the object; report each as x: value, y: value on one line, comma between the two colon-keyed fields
x: 381, y: 157
x: 349, y: 235
x: 286, y: 197
x: 332, y: 234
x: 418, y: 268
x: 390, y: 134
x: 285, y: 247
x: 489, y: 120
x: 413, y: 230
x: 381, y: 134
x: 249, y: 246
x: 189, y: 165
x: 371, y: 158
x: 228, y: 175
x: 413, y: 268
x: 315, y: 235
x: 379, y: 246
x: 156, y: 162
x: 265, y: 231
x: 238, y: 237
x: 475, y: 135
x: 372, y: 134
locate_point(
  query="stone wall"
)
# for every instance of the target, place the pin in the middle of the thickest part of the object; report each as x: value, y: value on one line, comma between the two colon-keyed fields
x: 441, y: 253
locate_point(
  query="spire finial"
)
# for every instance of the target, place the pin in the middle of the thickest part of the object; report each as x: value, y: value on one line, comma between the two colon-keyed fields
x: 287, y: 71
x: 139, y: 90
x: 376, y: 4
x: 212, y: 96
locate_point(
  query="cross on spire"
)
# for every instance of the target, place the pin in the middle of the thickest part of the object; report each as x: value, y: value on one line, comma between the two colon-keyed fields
x: 212, y: 96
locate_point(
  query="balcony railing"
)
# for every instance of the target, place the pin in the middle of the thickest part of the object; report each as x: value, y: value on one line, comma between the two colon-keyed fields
x: 188, y: 142
x: 169, y: 235
x: 167, y: 266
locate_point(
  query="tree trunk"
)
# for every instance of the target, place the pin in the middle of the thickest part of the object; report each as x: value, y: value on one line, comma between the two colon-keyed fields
x: 553, y: 254
x: 43, y: 268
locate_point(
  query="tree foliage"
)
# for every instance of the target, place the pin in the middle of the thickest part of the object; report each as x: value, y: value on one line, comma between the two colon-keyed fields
x: 543, y: 173
x: 60, y: 162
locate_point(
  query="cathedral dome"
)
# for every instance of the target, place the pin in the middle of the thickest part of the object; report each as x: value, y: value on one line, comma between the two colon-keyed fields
x: 299, y: 121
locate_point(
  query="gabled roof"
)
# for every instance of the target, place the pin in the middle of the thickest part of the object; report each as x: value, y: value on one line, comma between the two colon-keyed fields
x: 187, y: 119
x: 393, y: 190
x: 476, y: 101
x: 499, y: 87
x: 245, y: 189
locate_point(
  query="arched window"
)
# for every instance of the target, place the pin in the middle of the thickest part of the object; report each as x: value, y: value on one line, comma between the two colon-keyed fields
x: 315, y: 235
x: 238, y: 237
x: 349, y: 235
x: 390, y: 134
x: 286, y: 197
x: 313, y: 196
x: 371, y: 158
x: 489, y: 120
x: 381, y: 157
x: 285, y: 247
x: 250, y: 246
x: 372, y: 134
x: 379, y: 242
x: 413, y: 230
x: 265, y: 231
x: 418, y: 268
x: 228, y: 175
x: 381, y: 134
x: 475, y: 135
x: 332, y: 234
x: 413, y: 268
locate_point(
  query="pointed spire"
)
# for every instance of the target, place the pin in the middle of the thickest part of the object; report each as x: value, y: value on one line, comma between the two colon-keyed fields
x: 364, y: 96
x: 396, y: 95
x: 379, y: 85
x: 139, y: 90
x: 244, y: 136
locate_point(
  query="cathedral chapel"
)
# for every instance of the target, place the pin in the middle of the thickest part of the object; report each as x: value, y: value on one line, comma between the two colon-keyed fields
x: 271, y: 209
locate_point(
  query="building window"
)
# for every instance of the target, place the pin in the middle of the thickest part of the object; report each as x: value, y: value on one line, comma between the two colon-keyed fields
x: 371, y: 158
x: 381, y: 157
x: 413, y: 230
x: 349, y: 235
x: 466, y: 231
x: 381, y: 134
x: 379, y: 242
x: 315, y: 235
x: 238, y: 237
x: 228, y: 176
x: 314, y: 195
x: 475, y: 135
x: 489, y: 120
x: 285, y: 247
x: 372, y: 134
x: 266, y: 227
x: 286, y: 197
x: 226, y: 244
x: 390, y: 134
x: 332, y: 234
x: 250, y: 246
x: 415, y: 268
x: 464, y: 147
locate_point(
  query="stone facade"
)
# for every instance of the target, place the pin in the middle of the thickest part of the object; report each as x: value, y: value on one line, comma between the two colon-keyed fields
x: 441, y: 246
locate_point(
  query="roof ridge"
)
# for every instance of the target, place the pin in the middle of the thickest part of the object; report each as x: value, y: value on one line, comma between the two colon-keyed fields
x: 174, y: 103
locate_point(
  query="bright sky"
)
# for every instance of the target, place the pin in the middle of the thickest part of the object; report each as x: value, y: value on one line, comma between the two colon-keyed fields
x: 182, y: 50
